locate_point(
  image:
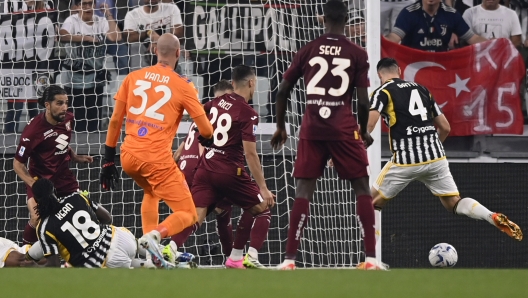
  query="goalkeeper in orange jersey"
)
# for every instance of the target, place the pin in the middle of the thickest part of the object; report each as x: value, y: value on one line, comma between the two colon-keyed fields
x: 153, y: 100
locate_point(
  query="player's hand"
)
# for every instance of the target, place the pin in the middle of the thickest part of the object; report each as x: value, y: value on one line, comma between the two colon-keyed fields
x: 367, y: 139
x: 83, y: 159
x: 268, y: 197
x: 330, y: 163
x: 203, y: 141
x: 279, y: 138
x: 109, y: 176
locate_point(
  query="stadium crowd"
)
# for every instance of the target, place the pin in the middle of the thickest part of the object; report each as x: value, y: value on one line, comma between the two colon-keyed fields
x: 90, y: 31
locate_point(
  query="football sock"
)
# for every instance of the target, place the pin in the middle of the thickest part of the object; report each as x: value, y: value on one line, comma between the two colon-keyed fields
x: 298, y: 220
x: 260, y: 228
x: 183, y: 215
x: 182, y: 236
x: 253, y: 252
x: 138, y: 263
x: 377, y: 225
x: 225, y: 230
x: 472, y: 208
x: 365, y: 212
x: 149, y: 213
x: 243, y: 230
x: 30, y: 234
x: 237, y: 254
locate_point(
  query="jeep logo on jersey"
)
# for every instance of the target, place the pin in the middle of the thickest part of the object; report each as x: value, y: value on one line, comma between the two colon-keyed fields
x: 62, y: 141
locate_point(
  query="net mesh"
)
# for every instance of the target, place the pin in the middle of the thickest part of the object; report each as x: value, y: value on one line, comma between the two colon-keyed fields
x: 219, y: 35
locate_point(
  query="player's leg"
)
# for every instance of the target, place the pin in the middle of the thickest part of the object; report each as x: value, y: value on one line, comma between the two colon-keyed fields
x: 254, y: 221
x: 351, y: 163
x: 30, y: 233
x: 123, y: 248
x: 441, y: 183
x: 311, y: 160
x: 224, y: 227
x: 150, y: 203
x: 16, y: 259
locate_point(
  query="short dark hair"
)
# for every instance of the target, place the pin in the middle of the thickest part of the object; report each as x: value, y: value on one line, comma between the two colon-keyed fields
x: 223, y: 85
x: 44, y: 194
x: 241, y: 72
x: 335, y: 12
x: 387, y: 63
x: 49, y: 94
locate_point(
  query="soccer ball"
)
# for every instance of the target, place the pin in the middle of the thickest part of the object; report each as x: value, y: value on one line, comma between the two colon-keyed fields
x: 443, y: 255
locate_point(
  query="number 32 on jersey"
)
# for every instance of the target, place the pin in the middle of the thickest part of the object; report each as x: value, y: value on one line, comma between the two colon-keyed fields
x: 152, y: 111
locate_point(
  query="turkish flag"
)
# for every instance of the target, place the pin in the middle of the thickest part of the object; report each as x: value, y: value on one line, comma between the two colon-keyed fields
x: 477, y: 86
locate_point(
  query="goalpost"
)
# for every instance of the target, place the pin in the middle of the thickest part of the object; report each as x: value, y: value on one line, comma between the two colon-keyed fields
x: 219, y: 35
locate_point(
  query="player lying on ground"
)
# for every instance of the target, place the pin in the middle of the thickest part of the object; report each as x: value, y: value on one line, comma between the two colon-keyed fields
x: 153, y: 100
x: 45, y: 143
x: 12, y: 255
x: 187, y: 156
x: 411, y: 113
x: 332, y: 67
x: 78, y: 230
x: 221, y: 172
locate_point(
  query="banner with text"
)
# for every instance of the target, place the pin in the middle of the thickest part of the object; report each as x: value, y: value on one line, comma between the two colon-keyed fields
x: 477, y: 86
x: 242, y: 26
x: 27, y: 42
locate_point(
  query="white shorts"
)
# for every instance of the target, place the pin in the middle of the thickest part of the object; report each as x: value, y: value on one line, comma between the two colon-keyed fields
x: 436, y: 175
x: 7, y: 246
x: 122, y: 249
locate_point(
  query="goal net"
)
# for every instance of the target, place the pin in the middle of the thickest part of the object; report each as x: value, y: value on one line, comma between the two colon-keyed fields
x: 218, y: 36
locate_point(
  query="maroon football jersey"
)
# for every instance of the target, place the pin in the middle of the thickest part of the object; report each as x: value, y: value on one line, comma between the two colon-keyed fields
x: 47, y: 148
x: 233, y: 121
x: 190, y: 154
x: 332, y: 66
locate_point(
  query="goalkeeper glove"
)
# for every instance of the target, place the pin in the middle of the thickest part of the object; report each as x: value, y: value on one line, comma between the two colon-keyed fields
x: 109, y: 176
x: 203, y: 141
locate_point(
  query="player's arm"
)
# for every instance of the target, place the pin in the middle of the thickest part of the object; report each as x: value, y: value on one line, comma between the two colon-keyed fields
x: 253, y: 162
x: 49, y: 245
x: 22, y: 172
x: 192, y: 104
x: 363, y: 108
x: 378, y: 100
x: 178, y: 152
x: 443, y: 127
x: 281, y: 102
x: 373, y: 120
x: 80, y: 158
x: 102, y: 214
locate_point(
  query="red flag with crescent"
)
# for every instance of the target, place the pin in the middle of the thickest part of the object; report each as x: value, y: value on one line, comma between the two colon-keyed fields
x: 477, y: 86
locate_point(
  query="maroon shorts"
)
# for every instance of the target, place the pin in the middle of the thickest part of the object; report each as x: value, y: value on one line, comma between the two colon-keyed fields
x: 349, y: 157
x: 211, y: 188
x: 65, y: 184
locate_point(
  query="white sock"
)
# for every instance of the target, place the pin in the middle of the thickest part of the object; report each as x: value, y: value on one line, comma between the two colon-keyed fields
x: 377, y: 230
x: 139, y: 263
x: 253, y: 253
x: 472, y: 208
x: 237, y: 254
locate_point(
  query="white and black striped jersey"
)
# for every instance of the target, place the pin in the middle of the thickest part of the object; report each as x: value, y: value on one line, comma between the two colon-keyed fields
x: 408, y: 109
x: 75, y: 233
x: 10, y: 6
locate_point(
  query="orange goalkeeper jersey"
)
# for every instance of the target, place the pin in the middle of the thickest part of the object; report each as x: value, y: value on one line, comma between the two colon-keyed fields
x: 155, y: 98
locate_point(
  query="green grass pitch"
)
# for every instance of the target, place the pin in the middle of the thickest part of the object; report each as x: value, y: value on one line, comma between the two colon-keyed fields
x: 325, y: 283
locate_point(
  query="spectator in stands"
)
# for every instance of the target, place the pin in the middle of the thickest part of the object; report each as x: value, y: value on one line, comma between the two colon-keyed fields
x: 147, y: 22
x: 84, y: 35
x: 389, y: 11
x: 15, y: 106
x: 355, y: 28
x: 492, y: 20
x: 119, y: 50
x: 428, y: 25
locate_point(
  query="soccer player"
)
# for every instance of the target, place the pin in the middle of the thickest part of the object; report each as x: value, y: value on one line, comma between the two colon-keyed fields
x: 11, y: 255
x: 79, y: 231
x: 153, y: 99
x: 332, y: 66
x: 412, y: 114
x: 45, y: 143
x: 221, y: 172
x: 187, y: 156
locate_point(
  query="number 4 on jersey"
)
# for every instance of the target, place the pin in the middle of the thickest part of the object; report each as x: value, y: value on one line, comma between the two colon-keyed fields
x: 416, y: 106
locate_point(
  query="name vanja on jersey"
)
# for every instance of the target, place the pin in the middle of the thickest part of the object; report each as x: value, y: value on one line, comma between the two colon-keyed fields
x: 409, y: 109
x: 75, y: 233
